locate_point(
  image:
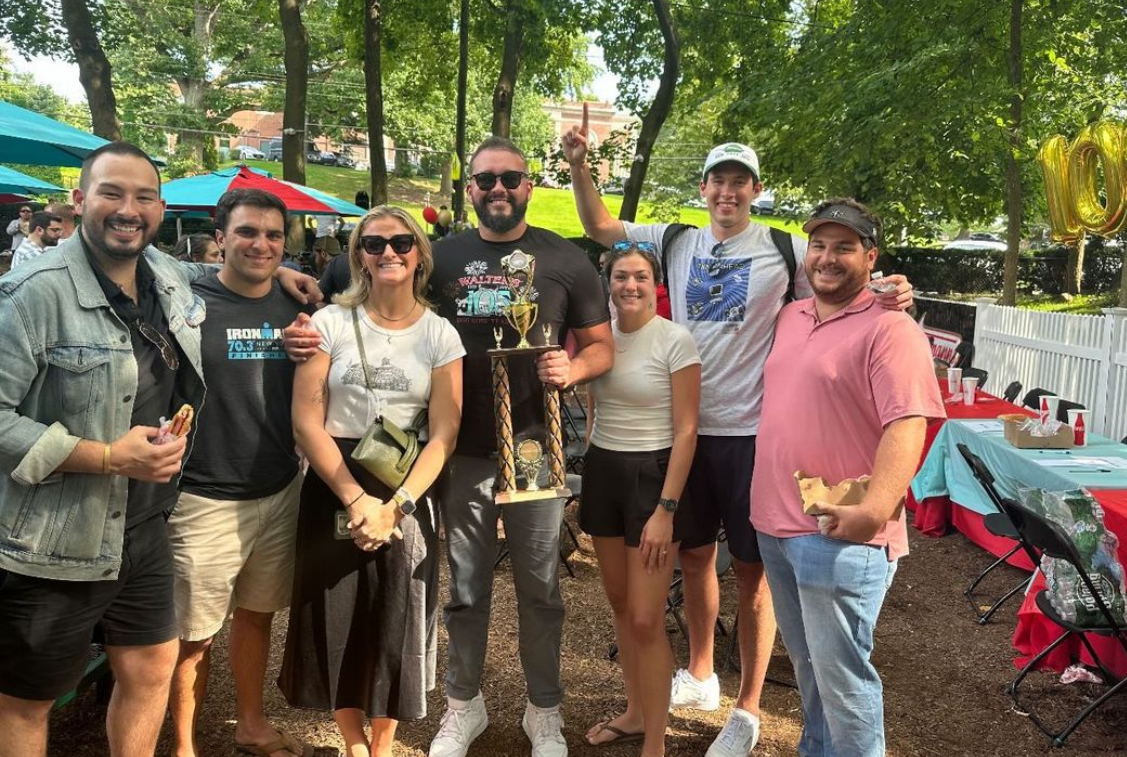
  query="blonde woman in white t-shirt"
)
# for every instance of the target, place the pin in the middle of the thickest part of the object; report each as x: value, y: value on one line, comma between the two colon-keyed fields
x: 642, y: 438
x: 361, y: 637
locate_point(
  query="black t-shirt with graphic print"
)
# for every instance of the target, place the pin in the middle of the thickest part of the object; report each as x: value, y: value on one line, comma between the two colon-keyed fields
x: 244, y: 447
x: 470, y: 291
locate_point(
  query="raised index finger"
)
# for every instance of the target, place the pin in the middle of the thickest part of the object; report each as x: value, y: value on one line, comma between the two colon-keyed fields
x: 586, y: 118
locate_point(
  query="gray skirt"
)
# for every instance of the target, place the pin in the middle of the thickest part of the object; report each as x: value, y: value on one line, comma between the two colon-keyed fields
x: 363, y: 625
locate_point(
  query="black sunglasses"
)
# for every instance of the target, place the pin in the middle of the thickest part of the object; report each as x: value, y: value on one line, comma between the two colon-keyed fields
x: 160, y: 341
x: 401, y: 244
x: 486, y: 180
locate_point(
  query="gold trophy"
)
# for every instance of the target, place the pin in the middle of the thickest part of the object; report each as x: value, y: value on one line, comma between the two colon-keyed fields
x: 519, y: 269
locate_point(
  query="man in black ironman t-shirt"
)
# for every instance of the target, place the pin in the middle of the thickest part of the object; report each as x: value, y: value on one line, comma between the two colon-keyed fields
x: 470, y: 291
x: 233, y: 529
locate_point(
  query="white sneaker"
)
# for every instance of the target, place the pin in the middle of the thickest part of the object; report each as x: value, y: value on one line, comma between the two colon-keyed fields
x: 689, y: 692
x: 458, y: 728
x: 738, y: 737
x: 543, y: 729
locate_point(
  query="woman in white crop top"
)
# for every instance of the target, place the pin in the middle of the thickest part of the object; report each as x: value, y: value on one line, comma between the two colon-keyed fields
x: 643, y: 433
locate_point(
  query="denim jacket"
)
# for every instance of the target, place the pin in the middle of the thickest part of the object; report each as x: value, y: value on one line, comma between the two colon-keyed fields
x: 67, y: 373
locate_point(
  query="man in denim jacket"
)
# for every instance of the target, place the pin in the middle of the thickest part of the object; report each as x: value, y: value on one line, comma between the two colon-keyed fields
x: 98, y: 343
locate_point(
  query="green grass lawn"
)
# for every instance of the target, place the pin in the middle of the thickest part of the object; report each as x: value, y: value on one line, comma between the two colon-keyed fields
x: 552, y: 209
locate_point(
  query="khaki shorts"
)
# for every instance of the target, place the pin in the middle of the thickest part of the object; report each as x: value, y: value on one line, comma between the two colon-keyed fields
x: 232, y: 553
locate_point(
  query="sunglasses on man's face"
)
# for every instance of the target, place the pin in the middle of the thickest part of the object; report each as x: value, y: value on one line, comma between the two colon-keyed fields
x: 486, y: 180
x: 401, y: 244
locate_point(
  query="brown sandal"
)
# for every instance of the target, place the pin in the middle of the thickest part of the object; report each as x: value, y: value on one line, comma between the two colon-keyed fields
x: 620, y: 736
x: 284, y: 742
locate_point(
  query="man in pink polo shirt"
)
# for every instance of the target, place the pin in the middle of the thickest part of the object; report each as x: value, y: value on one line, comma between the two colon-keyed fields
x: 848, y: 389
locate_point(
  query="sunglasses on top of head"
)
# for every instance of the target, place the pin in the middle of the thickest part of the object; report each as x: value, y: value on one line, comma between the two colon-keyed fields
x: 401, y: 244
x: 486, y: 180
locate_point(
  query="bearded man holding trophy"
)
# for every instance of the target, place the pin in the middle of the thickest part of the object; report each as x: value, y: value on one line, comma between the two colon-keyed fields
x: 490, y: 282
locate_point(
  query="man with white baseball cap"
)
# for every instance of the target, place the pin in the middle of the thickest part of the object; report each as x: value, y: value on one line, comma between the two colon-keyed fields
x: 727, y: 283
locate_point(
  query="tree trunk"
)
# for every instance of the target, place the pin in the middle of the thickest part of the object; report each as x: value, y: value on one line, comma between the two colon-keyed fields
x: 1074, y: 268
x: 93, y: 69
x: 458, y: 198
x: 1013, y: 167
x: 297, y: 90
x: 373, y: 86
x: 507, y: 80
x: 655, y: 117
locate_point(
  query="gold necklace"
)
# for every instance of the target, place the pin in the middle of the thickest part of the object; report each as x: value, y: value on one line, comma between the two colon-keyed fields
x: 400, y: 318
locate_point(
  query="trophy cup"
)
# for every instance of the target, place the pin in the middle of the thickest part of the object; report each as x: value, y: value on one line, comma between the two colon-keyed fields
x: 527, y: 455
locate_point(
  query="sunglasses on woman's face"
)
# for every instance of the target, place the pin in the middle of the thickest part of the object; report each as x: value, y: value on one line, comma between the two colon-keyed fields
x: 486, y: 180
x: 401, y: 244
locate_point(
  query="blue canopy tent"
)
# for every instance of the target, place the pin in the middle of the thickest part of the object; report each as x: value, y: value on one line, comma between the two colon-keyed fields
x: 17, y: 183
x: 31, y: 138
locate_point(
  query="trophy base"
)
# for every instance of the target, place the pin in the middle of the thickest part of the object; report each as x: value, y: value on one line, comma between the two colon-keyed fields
x: 524, y: 495
x: 535, y: 349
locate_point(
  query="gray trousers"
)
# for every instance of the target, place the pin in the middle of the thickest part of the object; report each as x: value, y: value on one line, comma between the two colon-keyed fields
x: 532, y: 530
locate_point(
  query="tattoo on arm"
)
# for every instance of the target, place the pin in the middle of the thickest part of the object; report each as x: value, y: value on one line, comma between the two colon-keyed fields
x: 322, y: 393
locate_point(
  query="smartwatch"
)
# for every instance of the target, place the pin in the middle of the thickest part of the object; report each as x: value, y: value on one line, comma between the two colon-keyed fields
x: 404, y: 501
x: 669, y: 505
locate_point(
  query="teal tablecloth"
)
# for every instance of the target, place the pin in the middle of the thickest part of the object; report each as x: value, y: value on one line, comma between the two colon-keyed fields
x: 945, y: 473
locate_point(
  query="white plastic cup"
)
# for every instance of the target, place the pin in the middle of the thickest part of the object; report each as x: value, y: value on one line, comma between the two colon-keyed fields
x: 969, y: 386
x: 1078, y: 419
x: 1049, y: 406
x: 954, y: 378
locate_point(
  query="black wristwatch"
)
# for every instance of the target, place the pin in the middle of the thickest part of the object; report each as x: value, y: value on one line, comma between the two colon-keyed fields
x: 404, y: 501
x: 670, y: 505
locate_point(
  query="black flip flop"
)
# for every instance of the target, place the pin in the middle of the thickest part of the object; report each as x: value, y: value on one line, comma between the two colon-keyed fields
x: 620, y: 736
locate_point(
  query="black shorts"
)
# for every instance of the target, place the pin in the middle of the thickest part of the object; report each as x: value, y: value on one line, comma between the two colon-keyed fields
x: 620, y: 492
x: 46, y: 626
x: 720, y: 487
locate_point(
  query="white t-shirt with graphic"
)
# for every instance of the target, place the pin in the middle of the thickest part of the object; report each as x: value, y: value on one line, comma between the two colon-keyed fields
x: 400, y: 364
x: 728, y: 295
x: 634, y: 400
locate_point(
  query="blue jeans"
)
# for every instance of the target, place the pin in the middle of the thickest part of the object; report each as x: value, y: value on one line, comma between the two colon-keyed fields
x: 827, y: 596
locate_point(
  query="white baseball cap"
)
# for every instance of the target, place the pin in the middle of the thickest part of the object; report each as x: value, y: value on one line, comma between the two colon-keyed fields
x: 732, y: 152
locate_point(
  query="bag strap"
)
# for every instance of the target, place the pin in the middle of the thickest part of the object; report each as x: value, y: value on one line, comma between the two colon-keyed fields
x: 364, y: 359
x: 785, y: 245
x: 672, y: 231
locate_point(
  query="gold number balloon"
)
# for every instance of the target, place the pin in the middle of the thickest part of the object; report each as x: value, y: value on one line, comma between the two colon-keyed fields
x: 1103, y: 143
x: 1053, y: 157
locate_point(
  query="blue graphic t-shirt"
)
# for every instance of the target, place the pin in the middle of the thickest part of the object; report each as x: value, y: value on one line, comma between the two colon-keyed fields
x: 244, y: 447
x: 728, y: 294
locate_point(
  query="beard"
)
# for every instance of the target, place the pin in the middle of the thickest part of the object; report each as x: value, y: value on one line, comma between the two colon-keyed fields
x: 500, y: 223
x: 96, y: 236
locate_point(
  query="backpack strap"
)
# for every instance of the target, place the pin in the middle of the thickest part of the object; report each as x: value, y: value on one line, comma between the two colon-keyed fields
x: 785, y: 244
x: 672, y: 231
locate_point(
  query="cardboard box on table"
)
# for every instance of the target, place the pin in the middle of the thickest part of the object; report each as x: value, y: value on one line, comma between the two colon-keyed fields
x: 1022, y: 439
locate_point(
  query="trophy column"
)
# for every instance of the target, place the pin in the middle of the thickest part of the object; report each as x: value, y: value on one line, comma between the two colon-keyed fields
x: 503, y: 420
x: 553, y: 419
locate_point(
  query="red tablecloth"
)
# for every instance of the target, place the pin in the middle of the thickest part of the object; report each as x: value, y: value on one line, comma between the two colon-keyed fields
x: 936, y: 516
x: 1035, y: 631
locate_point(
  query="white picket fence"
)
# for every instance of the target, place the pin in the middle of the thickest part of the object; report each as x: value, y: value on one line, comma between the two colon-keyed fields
x: 1082, y: 358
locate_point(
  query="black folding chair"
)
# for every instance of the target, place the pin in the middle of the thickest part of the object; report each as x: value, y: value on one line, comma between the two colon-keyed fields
x: 964, y: 355
x: 1032, y: 399
x: 1051, y: 539
x: 977, y: 373
x: 1012, y: 391
x: 999, y: 524
x: 1064, y: 406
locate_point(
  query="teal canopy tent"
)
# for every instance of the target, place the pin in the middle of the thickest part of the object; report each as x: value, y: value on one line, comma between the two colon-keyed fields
x: 30, y: 138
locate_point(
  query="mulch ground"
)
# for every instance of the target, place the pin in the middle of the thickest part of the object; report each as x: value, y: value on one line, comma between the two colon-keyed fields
x: 944, y: 678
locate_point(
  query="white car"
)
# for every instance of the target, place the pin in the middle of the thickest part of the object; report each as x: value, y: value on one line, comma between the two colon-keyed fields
x: 246, y: 152
x: 979, y: 240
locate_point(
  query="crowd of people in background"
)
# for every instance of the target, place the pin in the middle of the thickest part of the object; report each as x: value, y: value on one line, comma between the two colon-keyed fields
x: 691, y: 344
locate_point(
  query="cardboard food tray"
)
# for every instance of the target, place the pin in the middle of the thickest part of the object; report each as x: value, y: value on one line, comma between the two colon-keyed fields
x: 1022, y: 439
x: 850, y: 491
